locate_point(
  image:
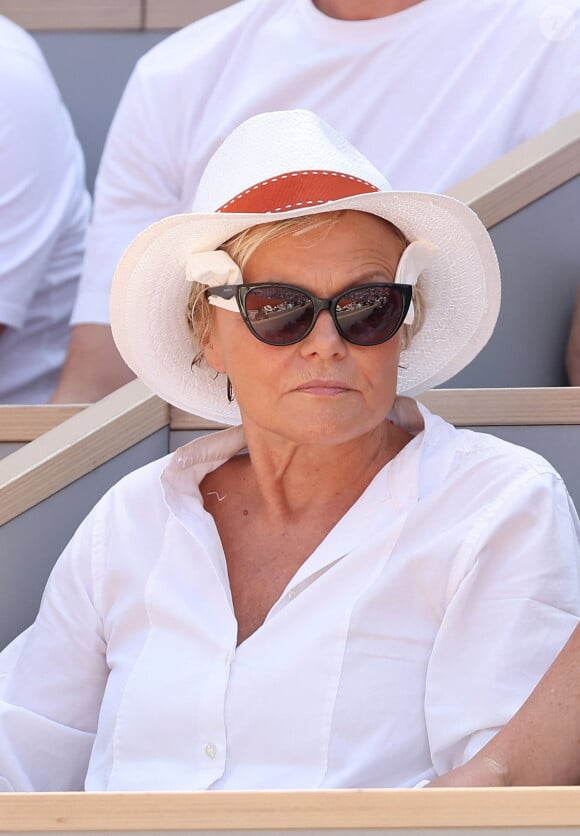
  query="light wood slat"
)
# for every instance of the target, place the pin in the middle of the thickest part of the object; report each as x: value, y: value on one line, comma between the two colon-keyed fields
x: 525, y: 174
x: 467, y: 407
x: 77, y: 446
x: 45, y: 15
x: 181, y: 420
x: 173, y: 14
x: 25, y: 423
x: 255, y: 811
x: 505, y: 407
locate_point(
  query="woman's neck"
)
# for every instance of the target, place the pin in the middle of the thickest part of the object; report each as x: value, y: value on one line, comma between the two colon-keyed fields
x: 363, y: 9
x: 290, y: 480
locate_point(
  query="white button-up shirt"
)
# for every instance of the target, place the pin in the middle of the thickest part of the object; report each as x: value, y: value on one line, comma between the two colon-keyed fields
x: 414, y: 630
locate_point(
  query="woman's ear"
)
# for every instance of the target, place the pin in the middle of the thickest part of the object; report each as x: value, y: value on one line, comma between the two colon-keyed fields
x: 212, y: 352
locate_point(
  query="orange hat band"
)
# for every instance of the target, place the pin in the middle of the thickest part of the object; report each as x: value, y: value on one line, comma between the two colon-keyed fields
x: 296, y: 190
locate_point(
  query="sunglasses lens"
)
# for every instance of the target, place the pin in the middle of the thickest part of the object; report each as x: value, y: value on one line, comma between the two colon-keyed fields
x: 370, y: 315
x: 278, y: 315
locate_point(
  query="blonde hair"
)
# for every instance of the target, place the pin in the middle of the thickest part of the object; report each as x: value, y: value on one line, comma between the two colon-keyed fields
x: 242, y: 246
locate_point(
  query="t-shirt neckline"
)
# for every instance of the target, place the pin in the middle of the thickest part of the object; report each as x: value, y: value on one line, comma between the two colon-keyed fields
x: 359, y: 30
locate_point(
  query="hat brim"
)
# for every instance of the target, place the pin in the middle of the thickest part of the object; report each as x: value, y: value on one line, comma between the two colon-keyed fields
x: 460, y: 292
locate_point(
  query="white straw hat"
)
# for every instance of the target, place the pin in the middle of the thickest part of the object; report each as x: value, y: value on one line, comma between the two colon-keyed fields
x: 284, y: 165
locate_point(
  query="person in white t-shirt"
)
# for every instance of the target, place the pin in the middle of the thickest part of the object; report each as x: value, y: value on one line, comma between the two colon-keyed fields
x: 430, y: 90
x: 340, y: 589
x: 44, y: 214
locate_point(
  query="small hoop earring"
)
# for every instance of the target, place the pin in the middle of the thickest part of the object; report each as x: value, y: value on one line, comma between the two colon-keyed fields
x: 229, y: 390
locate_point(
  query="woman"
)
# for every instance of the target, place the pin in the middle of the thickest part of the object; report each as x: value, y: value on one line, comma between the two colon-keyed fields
x: 322, y: 596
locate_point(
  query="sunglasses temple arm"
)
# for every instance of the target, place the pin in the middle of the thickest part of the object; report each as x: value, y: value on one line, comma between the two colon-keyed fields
x: 223, y: 297
x: 225, y: 291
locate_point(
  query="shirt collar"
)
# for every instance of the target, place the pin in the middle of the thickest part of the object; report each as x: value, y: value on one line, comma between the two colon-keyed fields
x: 188, y: 465
x: 208, y: 452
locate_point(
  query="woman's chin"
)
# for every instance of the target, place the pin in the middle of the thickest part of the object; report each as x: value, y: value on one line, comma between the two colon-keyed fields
x: 320, y: 429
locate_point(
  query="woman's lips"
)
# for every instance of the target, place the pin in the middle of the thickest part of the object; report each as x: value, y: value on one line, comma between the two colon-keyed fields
x: 324, y: 387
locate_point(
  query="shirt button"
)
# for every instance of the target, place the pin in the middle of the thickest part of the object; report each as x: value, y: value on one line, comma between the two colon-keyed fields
x: 291, y: 595
x: 211, y: 750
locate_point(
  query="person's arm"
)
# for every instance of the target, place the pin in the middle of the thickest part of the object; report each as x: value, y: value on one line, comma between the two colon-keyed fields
x: 515, y: 605
x: 93, y: 367
x: 39, y: 172
x: 573, y: 348
x: 540, y: 744
x: 138, y: 183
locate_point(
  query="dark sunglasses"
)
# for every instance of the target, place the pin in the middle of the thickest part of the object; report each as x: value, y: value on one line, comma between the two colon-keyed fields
x: 282, y: 314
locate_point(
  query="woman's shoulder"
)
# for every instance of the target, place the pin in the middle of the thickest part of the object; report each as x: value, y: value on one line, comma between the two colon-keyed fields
x: 477, y: 456
x: 487, y: 447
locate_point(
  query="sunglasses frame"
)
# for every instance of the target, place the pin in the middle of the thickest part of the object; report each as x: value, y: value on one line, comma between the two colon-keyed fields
x: 240, y: 293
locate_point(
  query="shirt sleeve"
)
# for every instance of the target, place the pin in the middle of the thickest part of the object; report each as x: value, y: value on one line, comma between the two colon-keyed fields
x: 136, y: 185
x: 52, y: 678
x: 41, y: 173
x: 514, y: 605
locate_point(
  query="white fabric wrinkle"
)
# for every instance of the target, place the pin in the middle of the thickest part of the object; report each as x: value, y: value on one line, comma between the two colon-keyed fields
x: 44, y: 741
x: 294, y: 588
x: 398, y: 528
x: 473, y: 546
x: 98, y: 547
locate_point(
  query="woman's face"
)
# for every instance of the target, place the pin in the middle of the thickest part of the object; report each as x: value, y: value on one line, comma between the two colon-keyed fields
x: 322, y: 390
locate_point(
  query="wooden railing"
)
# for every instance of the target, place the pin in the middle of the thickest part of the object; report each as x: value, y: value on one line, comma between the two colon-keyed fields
x: 328, y: 811
x: 525, y: 174
x: 72, y: 449
x: 62, y: 15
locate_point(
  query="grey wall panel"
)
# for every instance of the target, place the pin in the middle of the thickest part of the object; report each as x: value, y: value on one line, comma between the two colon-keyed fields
x: 7, y: 447
x: 539, y: 255
x: 91, y: 70
x: 179, y: 437
x: 31, y: 543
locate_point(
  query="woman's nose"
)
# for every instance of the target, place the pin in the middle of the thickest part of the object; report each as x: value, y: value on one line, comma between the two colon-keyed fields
x: 324, y: 339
